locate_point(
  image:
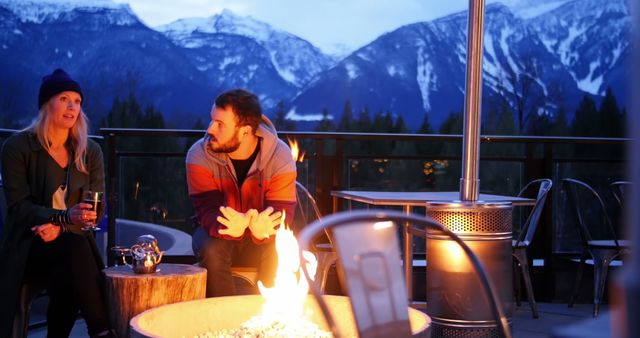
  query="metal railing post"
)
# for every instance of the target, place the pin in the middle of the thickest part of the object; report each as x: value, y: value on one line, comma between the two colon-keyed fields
x: 112, y: 195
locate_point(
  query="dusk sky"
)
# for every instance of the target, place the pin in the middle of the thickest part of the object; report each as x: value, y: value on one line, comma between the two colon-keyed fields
x: 327, y: 24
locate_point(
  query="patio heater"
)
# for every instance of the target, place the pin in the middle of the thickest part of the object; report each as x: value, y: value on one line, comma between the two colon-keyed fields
x: 455, y: 304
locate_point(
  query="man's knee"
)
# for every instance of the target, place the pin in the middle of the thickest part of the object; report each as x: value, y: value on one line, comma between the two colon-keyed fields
x: 216, y: 253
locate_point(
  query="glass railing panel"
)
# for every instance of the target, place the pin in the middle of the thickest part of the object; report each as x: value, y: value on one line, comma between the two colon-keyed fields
x: 152, y: 197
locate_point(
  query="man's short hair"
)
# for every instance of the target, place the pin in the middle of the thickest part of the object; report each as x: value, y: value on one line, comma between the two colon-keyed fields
x: 244, y: 104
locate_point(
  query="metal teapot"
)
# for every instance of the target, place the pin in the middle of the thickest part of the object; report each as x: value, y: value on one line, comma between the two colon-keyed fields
x: 146, y: 254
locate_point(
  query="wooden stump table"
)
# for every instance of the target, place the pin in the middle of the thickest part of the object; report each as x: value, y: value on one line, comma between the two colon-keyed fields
x: 129, y: 293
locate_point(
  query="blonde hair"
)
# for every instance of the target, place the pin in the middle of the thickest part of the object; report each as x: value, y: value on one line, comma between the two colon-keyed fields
x: 78, y: 135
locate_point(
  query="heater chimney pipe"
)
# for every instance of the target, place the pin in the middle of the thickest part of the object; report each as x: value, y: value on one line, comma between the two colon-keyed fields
x: 470, y: 183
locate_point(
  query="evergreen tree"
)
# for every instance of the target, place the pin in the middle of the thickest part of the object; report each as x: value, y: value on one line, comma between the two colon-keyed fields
x: 388, y: 123
x: 623, y: 116
x: 586, y: 122
x: 452, y: 124
x: 346, y: 121
x: 326, y: 124
x: 560, y: 125
x: 611, y: 119
x: 378, y: 122
x: 197, y: 125
x: 426, y: 148
x: 506, y: 124
x: 364, y: 120
x: 425, y: 127
x: 280, y: 121
x: 450, y: 174
x: 400, y: 127
x: 540, y: 125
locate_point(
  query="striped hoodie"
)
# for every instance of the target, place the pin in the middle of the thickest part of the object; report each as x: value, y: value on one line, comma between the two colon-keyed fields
x: 212, y: 181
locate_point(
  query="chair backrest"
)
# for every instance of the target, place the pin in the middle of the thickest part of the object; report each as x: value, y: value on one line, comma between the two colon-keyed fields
x: 380, y: 278
x: 542, y: 187
x: 618, y: 189
x: 307, y: 209
x: 3, y: 208
x: 593, y: 220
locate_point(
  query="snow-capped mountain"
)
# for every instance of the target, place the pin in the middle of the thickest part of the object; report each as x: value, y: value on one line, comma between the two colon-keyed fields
x: 420, y: 68
x: 107, y: 49
x: 41, y: 11
x: 112, y: 53
x: 591, y: 38
x: 296, y: 60
x: 527, y: 9
x: 539, y: 55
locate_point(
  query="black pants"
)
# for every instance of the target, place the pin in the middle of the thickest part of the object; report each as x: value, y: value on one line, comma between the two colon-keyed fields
x: 70, y: 270
x: 219, y: 255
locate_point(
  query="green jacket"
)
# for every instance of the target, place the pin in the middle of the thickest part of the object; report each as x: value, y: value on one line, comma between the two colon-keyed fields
x: 30, y: 176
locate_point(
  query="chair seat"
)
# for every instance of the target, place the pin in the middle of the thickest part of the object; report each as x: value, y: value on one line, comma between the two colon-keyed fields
x: 519, y: 244
x: 610, y: 244
x: 323, y: 247
x: 28, y: 292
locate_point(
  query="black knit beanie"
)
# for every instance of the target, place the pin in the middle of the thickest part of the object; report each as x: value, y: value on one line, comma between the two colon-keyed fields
x: 55, y: 83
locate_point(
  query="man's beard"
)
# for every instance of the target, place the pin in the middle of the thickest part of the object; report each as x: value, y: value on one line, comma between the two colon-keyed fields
x: 228, y: 147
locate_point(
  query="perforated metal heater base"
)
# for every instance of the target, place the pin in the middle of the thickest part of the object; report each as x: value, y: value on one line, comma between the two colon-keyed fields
x: 466, y: 330
x: 456, y: 301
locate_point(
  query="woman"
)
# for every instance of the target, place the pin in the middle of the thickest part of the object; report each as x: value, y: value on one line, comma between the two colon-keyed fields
x: 45, y: 169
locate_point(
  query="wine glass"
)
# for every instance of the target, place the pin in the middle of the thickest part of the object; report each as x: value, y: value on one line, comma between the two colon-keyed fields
x: 95, y: 198
x: 121, y: 253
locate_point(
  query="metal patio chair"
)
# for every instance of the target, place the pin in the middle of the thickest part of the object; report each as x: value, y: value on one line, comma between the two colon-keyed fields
x: 599, y: 239
x: 619, y: 189
x: 366, y: 242
x: 307, y: 211
x: 29, y: 290
x: 540, y: 189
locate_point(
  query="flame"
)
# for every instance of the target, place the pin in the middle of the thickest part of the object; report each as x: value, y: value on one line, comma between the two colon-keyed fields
x: 284, y: 302
x: 295, y: 151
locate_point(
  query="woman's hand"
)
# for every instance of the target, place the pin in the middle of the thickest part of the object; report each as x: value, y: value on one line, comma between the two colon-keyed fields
x: 81, y: 214
x: 48, y: 232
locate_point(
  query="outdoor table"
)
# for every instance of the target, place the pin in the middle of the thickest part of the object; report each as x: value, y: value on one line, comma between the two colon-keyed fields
x: 129, y: 293
x: 409, y: 199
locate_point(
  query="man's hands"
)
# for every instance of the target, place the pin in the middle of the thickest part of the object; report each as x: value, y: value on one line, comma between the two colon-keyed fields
x: 261, y: 224
x: 236, y: 222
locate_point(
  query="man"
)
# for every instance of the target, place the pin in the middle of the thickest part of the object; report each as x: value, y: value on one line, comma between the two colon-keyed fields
x: 240, y: 178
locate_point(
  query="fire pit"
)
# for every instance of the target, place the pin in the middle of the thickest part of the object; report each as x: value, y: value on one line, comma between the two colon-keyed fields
x: 285, y: 309
x: 193, y: 318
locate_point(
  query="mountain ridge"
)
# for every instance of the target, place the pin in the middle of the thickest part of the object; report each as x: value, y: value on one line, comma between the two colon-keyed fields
x: 411, y: 71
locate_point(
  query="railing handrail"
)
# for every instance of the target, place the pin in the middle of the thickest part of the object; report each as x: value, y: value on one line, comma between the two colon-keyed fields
x: 136, y: 132
x: 6, y: 132
x: 142, y: 132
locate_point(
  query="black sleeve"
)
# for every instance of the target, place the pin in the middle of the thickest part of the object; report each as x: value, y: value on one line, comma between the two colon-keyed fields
x: 95, y: 166
x: 20, y: 207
